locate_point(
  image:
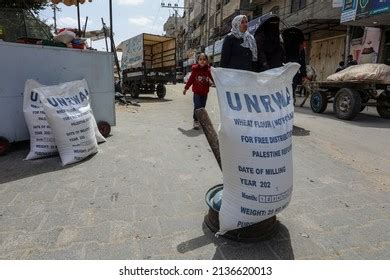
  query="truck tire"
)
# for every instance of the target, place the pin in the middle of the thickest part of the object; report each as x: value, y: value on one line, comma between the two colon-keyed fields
x: 104, y: 128
x: 125, y: 89
x: 347, y: 103
x: 4, y: 146
x: 383, y: 111
x: 134, y: 90
x: 318, y: 102
x: 161, y: 91
x: 365, y: 95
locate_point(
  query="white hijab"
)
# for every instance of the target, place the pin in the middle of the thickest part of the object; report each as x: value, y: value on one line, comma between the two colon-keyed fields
x: 249, y: 40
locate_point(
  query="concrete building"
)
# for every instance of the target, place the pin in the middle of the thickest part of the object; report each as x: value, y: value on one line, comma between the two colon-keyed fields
x: 369, y: 30
x: 174, y: 27
x: 320, y: 22
x: 206, y: 22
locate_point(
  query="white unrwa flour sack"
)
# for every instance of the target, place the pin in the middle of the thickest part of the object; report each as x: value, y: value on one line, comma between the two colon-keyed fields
x: 69, y: 114
x: 42, y: 142
x: 255, y: 140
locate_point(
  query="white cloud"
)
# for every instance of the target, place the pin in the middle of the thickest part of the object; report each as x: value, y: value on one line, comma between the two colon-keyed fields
x: 130, y: 2
x: 141, y: 21
x: 70, y: 22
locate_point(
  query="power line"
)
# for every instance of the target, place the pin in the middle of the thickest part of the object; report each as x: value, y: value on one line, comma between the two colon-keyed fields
x: 155, y: 19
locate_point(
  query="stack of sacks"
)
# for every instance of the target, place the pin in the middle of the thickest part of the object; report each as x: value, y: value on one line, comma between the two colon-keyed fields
x: 60, y: 119
x: 363, y: 72
x: 65, y: 36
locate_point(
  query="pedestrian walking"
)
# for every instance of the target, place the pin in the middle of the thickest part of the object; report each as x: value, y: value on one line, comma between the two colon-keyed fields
x: 239, y: 50
x: 270, y: 50
x: 200, y: 80
x: 294, y: 45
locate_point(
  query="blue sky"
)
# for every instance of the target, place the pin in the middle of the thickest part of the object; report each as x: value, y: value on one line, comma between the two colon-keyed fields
x: 131, y: 17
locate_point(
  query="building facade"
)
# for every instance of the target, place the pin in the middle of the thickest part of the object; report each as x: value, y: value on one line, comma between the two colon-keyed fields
x: 369, y: 26
x: 206, y: 23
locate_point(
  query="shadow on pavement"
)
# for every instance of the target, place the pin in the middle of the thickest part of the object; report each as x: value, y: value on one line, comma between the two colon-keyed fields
x: 191, y: 132
x: 279, y: 247
x: 152, y: 99
x: 363, y: 119
x: 13, y: 167
x: 299, y: 131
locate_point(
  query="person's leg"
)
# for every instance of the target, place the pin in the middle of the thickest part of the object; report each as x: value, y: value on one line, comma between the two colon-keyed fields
x: 294, y: 86
x: 204, y: 101
x: 197, y: 104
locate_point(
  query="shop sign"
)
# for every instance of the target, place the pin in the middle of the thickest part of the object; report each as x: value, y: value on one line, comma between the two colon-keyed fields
x: 349, y: 11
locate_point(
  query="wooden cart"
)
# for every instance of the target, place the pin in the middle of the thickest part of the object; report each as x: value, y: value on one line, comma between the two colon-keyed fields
x: 350, y: 97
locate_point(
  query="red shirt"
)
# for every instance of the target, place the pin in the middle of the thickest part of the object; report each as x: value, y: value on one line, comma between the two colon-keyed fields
x: 200, y: 79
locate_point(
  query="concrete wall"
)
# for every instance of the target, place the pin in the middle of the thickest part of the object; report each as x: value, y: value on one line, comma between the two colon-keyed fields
x: 230, y: 8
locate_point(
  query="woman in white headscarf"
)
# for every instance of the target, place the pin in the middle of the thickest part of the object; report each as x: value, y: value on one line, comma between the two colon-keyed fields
x: 239, y: 50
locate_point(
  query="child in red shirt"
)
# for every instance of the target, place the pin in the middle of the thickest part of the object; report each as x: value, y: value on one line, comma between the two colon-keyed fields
x: 200, y: 80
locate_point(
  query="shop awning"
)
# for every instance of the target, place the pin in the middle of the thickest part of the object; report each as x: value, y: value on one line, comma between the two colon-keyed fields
x: 313, y: 25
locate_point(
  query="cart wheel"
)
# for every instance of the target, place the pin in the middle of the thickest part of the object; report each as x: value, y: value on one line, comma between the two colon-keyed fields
x: 365, y: 95
x: 347, y: 104
x: 104, y: 128
x: 383, y: 110
x: 161, y: 91
x: 134, y: 90
x: 4, y: 146
x: 318, y: 102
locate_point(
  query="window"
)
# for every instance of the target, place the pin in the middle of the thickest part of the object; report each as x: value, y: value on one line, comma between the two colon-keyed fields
x: 217, y: 19
x: 297, y: 5
x: 211, y: 22
x: 226, y: 2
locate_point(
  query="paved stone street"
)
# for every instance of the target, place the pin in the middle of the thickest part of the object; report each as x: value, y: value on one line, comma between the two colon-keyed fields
x: 142, y: 195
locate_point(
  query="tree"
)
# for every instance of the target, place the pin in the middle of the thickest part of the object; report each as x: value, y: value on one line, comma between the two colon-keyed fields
x: 34, y: 5
x: 18, y: 18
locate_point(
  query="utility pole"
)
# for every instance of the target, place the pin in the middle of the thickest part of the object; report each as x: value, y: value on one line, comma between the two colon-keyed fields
x: 207, y: 23
x: 175, y: 8
x: 78, y: 15
x: 54, y: 17
x: 111, y: 28
x: 220, y: 25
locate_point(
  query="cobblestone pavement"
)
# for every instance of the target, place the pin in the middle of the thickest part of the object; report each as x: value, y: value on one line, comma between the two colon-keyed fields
x: 142, y: 195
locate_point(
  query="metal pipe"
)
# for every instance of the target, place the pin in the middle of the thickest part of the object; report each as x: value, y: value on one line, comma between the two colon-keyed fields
x: 111, y: 28
x: 347, y: 45
x: 210, y: 133
x: 55, y: 18
x: 78, y: 15
x: 85, y: 26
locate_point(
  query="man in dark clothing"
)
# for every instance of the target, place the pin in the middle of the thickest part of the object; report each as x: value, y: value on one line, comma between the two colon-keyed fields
x: 351, y: 61
x: 295, y: 52
x: 269, y: 47
x: 301, y: 75
x: 341, y: 66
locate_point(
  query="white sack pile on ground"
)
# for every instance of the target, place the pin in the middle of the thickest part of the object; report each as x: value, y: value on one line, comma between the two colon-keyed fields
x: 369, y: 71
x: 64, y: 112
x: 42, y: 142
